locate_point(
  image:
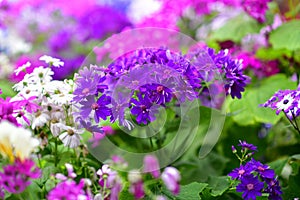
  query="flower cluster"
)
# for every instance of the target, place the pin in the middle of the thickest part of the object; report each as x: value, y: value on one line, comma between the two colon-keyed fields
x: 254, y: 178
x: 144, y: 80
x: 112, y: 183
x: 68, y: 188
x: 16, y: 177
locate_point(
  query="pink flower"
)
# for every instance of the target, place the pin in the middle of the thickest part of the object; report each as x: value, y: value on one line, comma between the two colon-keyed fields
x: 151, y: 165
x: 171, y: 178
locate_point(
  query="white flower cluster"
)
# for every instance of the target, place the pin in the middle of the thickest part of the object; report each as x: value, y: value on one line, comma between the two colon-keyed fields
x: 53, y: 99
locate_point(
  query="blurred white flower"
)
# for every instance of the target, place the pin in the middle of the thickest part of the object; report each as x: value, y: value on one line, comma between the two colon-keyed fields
x: 71, y: 137
x: 52, y: 61
x: 22, y: 68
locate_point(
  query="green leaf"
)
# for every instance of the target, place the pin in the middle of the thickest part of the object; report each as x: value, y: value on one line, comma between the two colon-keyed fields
x: 272, y: 54
x: 278, y: 165
x: 125, y: 194
x: 246, y: 111
x: 236, y: 28
x: 190, y: 191
x: 218, y: 185
x: 6, y: 88
x: 287, y: 36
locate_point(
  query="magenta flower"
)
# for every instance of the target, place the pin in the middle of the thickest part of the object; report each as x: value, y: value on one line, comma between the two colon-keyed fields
x: 7, y: 111
x: 16, y: 177
x: 69, y: 190
x: 151, y: 165
x: 137, y: 189
x: 171, y: 178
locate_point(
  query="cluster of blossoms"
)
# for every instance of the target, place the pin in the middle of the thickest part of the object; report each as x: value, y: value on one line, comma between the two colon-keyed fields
x: 16, y: 144
x: 254, y: 178
x: 286, y: 101
x: 146, y: 79
x: 68, y: 189
x: 110, y: 183
x: 43, y: 103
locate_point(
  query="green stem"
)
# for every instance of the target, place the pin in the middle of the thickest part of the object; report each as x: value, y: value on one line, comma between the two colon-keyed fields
x: 55, y: 153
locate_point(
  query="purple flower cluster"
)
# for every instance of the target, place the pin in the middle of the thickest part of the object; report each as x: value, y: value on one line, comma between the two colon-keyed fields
x: 146, y: 79
x: 254, y: 177
x: 16, y: 177
x: 68, y: 189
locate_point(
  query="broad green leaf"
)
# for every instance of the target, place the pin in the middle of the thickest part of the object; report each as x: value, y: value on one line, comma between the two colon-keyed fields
x: 287, y: 36
x: 218, y: 185
x: 190, y: 191
x: 246, y: 111
x: 236, y: 28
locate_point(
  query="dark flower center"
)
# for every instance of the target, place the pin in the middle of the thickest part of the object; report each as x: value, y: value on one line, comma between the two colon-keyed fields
x: 250, y: 186
x: 95, y: 106
x: 285, y: 101
x: 144, y: 108
x: 160, y: 89
x: 85, y: 91
x: 70, y: 132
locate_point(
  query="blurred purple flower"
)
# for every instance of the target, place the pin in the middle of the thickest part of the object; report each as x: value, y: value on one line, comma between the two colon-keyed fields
x: 171, y: 178
x: 151, y: 165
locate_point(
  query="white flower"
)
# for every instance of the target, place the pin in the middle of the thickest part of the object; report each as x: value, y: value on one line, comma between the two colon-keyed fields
x: 41, y: 75
x: 22, y: 68
x: 59, y: 92
x: 16, y: 139
x: 52, y: 61
x: 40, y: 119
x: 71, y: 137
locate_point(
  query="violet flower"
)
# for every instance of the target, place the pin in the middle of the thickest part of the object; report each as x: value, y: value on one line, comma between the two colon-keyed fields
x: 171, y: 178
x: 251, y: 187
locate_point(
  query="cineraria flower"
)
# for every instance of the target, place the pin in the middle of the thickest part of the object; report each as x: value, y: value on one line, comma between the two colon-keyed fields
x: 16, y: 177
x: 235, y: 80
x: 246, y: 146
x: 256, y: 9
x: 22, y: 68
x: 71, y: 137
x: 69, y: 190
x: 274, y: 189
x: 250, y: 186
x: 7, y: 111
x: 52, y: 61
x: 263, y: 170
x: 151, y: 165
x: 171, y: 178
x: 243, y: 170
x: 100, y: 107
x: 143, y: 109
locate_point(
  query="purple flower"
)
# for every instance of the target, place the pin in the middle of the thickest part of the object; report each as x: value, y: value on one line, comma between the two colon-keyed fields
x: 16, y: 177
x: 263, y: 170
x: 235, y: 80
x: 143, y: 109
x: 171, y: 178
x: 158, y: 94
x: 243, y: 170
x: 7, y: 111
x: 151, y: 165
x: 246, y: 146
x: 274, y: 189
x: 250, y: 186
x: 137, y: 189
x: 256, y: 9
x: 87, y: 125
x: 100, y: 107
x: 68, y: 190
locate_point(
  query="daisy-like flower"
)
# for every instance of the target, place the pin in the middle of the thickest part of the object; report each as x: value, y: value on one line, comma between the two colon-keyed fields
x: 58, y: 92
x: 71, y: 137
x: 40, y: 119
x: 251, y: 187
x: 247, y: 146
x: 52, y: 61
x: 22, y: 68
